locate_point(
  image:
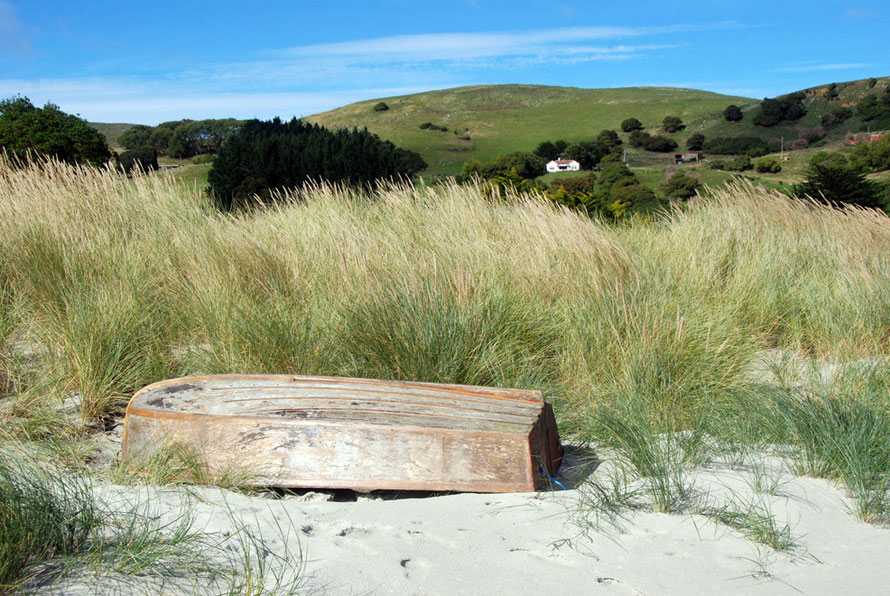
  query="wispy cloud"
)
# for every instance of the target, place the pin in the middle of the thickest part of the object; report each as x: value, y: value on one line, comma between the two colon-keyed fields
x: 311, y: 78
x: 819, y: 67
x: 14, y: 37
x: 457, y: 46
x: 863, y: 13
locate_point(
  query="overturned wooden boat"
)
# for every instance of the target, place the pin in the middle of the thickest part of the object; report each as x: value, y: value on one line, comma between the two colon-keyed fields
x: 360, y: 434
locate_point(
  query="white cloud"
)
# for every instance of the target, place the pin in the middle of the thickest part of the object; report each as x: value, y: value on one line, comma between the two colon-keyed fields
x: 819, y: 67
x: 456, y: 46
x: 307, y: 79
x: 119, y: 101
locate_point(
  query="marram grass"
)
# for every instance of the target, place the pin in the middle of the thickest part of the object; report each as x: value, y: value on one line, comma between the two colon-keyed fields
x: 121, y: 282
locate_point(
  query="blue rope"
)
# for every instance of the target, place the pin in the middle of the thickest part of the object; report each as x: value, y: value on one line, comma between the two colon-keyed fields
x: 552, y: 479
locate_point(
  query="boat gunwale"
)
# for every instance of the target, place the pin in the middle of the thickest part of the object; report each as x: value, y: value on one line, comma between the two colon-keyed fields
x: 520, y: 419
x: 480, y: 391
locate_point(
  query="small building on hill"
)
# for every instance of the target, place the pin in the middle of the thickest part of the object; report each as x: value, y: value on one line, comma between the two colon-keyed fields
x: 859, y: 138
x: 563, y: 165
x: 685, y: 157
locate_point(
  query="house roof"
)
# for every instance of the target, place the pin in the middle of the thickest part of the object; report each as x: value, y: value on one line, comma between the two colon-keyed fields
x: 563, y: 162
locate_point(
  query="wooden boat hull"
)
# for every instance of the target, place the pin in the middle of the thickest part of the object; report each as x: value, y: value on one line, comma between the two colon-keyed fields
x: 360, y: 434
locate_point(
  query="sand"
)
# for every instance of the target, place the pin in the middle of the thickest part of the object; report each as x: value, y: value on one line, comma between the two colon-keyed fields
x: 541, y: 543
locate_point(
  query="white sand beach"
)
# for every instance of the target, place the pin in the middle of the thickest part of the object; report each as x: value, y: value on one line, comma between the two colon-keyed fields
x: 545, y: 543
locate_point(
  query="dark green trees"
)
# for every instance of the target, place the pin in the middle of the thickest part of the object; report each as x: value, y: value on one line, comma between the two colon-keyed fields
x: 672, y: 124
x: 875, y: 109
x: 550, y: 150
x: 695, y: 142
x: 838, y: 183
x: 49, y: 131
x: 145, y: 156
x: 201, y: 137
x: 750, y: 146
x: 525, y: 165
x: 733, y: 113
x: 648, y: 142
x: 135, y: 137
x: 268, y: 155
x: 781, y: 109
x: 631, y: 124
x: 680, y: 186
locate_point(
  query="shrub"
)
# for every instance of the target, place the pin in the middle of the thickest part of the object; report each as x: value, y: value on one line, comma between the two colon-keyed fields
x: 751, y: 146
x: 680, y: 186
x: 874, y: 156
x: 431, y: 126
x: 871, y: 83
x: 380, y: 106
x: 655, y: 143
x: 471, y: 169
x: 526, y: 165
x: 631, y: 124
x: 739, y: 164
x: 638, y: 137
x: 836, y: 116
x: 875, y: 107
x: 659, y: 144
x: 631, y: 194
x: 695, y: 142
x: 145, y: 156
x: 585, y: 184
x: 608, y: 138
x: 767, y: 165
x: 828, y: 157
x: 732, y: 113
x: 672, y: 124
x: 202, y: 159
x: 810, y: 135
x: 781, y: 109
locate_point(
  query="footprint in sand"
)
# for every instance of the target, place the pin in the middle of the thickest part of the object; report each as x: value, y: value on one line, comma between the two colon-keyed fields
x: 412, y: 565
x: 353, y: 531
x: 621, y: 586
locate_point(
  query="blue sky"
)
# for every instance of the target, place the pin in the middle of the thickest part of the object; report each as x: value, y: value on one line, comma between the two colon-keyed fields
x: 152, y: 61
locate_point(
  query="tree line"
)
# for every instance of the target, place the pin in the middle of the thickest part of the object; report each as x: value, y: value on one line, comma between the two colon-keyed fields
x: 267, y: 155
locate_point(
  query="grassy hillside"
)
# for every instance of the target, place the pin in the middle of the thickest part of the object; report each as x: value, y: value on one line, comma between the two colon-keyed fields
x: 483, y: 122
x: 497, y: 119
x: 817, y: 104
x: 111, y: 131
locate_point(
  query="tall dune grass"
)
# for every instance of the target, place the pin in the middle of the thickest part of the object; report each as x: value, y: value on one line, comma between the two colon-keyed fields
x: 128, y: 281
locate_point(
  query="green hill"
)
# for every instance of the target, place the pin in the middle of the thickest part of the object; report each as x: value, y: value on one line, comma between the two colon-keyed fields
x: 111, y: 131
x: 486, y: 121
x: 818, y: 103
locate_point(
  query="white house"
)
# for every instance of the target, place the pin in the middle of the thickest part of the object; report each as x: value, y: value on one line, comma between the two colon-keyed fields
x: 563, y: 165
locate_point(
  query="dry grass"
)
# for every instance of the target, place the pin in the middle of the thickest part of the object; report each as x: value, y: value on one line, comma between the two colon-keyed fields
x: 125, y: 282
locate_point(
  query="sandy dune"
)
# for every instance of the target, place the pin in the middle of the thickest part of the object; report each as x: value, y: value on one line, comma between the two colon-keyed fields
x: 539, y: 544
